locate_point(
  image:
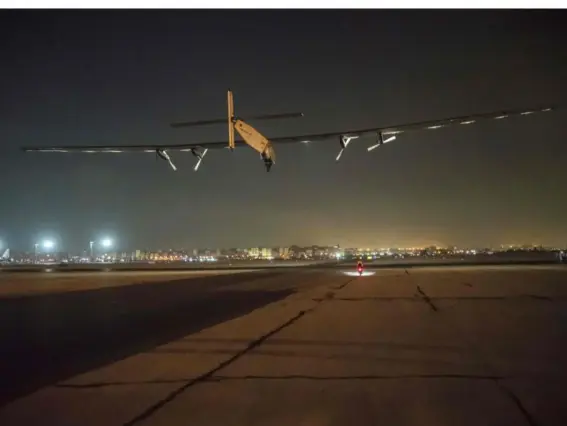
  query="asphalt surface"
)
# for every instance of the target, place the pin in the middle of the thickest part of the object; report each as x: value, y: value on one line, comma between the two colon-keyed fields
x: 49, y: 337
x: 443, y: 346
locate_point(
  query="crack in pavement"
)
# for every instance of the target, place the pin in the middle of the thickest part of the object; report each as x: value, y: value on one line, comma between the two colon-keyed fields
x: 219, y: 378
x: 518, y: 402
x: 203, y: 377
x: 505, y: 390
x: 427, y: 299
x: 206, y: 376
x: 358, y: 377
x: 511, y: 297
x: 340, y: 287
x: 95, y: 385
x: 371, y: 298
x: 432, y: 299
x: 424, y: 296
x: 539, y: 297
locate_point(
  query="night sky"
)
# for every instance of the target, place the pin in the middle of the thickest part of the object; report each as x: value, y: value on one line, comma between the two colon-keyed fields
x: 117, y: 77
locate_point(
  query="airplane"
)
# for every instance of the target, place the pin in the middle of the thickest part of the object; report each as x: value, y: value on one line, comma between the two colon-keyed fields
x: 5, y: 258
x: 265, y: 146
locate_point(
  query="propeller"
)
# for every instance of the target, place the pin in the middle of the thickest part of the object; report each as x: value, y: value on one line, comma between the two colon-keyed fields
x: 380, y: 142
x: 200, y: 156
x: 344, y: 141
x: 164, y: 155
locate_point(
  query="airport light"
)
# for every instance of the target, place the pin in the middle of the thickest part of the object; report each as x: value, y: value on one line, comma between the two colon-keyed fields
x: 106, y: 243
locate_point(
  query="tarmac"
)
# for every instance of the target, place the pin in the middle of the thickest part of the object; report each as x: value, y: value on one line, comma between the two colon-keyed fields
x: 419, y: 346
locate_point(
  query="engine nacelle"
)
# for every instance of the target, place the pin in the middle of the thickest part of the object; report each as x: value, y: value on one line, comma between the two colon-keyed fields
x: 270, y: 152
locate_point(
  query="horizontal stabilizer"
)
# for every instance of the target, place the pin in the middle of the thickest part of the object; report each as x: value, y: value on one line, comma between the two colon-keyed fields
x: 197, y: 123
x: 223, y: 120
x: 275, y: 116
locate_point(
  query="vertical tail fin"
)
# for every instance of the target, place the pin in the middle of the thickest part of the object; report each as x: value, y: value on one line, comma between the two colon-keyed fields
x: 230, y: 102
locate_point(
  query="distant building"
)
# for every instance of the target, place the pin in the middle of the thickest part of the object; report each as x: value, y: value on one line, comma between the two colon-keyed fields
x: 139, y: 255
x: 283, y: 252
x: 231, y: 252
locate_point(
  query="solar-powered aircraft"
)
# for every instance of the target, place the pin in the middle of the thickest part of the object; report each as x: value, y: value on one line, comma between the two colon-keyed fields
x: 265, y: 146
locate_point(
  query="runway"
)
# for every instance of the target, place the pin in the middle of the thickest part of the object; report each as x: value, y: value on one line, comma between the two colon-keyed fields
x: 443, y: 346
x: 22, y: 284
x: 76, y: 323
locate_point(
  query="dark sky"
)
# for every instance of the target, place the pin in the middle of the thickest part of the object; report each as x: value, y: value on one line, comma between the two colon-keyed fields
x: 105, y: 77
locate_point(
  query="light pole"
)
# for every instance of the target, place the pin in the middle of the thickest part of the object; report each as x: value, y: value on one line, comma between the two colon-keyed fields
x: 47, y: 244
x: 106, y: 243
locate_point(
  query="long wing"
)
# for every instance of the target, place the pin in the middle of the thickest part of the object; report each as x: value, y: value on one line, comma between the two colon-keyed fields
x: 422, y: 125
x: 384, y: 131
x: 93, y: 149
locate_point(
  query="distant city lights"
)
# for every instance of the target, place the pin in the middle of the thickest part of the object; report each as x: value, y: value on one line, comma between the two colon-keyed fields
x: 104, y: 249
